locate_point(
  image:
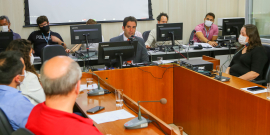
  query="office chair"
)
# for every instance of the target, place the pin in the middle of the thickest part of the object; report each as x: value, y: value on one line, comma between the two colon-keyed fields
x: 22, y: 131
x: 192, y: 34
x: 5, y: 127
x: 145, y: 35
x: 266, y: 70
x: 51, y: 51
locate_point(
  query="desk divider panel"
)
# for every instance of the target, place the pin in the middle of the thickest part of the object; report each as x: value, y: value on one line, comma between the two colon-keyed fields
x: 204, y: 106
x: 140, y: 85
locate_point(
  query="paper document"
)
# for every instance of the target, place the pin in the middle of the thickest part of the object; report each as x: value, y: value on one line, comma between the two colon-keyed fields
x: 255, y: 92
x: 84, y: 86
x: 110, y: 116
x: 203, y: 44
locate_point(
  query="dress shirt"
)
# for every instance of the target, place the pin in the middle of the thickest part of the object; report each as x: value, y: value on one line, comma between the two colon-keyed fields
x: 16, y: 107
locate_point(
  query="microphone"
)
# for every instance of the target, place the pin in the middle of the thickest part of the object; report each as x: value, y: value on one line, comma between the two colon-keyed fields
x: 98, y: 91
x: 140, y: 121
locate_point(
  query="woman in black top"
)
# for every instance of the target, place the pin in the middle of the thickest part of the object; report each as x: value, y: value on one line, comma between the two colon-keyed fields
x: 249, y: 62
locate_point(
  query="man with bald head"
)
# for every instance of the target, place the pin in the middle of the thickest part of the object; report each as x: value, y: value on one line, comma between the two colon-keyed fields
x: 60, y: 78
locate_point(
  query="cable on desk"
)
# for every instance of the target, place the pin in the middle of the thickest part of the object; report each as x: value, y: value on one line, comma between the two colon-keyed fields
x: 162, y: 74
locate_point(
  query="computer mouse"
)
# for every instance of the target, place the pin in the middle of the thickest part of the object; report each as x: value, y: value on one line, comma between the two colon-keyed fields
x: 199, y: 45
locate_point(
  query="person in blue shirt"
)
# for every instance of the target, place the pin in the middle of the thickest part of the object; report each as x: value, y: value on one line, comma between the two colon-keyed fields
x: 16, y: 107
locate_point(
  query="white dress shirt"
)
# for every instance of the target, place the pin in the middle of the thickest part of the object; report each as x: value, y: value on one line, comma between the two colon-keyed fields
x: 32, y: 89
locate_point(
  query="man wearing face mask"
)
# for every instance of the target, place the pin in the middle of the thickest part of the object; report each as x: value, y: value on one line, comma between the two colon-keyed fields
x: 45, y: 36
x: 5, y: 27
x: 16, y: 107
x: 207, y: 32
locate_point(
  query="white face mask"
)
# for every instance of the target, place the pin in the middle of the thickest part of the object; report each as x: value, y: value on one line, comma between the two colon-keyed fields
x: 32, y: 58
x: 242, y: 40
x: 208, y: 23
x: 4, y: 28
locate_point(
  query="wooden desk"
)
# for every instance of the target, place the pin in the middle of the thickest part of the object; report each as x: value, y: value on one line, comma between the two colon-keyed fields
x: 205, y: 106
x: 117, y: 127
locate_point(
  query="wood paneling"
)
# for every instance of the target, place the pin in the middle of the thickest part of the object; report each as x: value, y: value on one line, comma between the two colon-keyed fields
x: 204, y: 106
x: 85, y: 102
x: 142, y: 86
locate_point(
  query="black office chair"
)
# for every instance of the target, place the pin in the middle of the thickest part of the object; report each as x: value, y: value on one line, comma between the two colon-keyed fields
x: 192, y: 34
x: 266, y: 70
x: 22, y: 131
x: 5, y: 127
x: 51, y: 51
x: 145, y: 35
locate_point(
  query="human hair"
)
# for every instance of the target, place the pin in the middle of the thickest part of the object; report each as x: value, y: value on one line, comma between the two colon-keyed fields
x: 129, y: 18
x: 210, y: 14
x: 62, y: 85
x: 254, y: 37
x: 4, y: 17
x: 24, y: 46
x: 91, y: 21
x: 42, y: 19
x: 10, y: 66
x: 162, y: 14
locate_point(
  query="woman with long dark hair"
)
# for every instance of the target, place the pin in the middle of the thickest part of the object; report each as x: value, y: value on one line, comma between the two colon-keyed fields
x: 30, y: 87
x: 250, y: 60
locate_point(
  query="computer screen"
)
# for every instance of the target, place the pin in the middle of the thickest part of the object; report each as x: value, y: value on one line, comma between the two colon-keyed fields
x: 5, y: 39
x: 170, y: 31
x: 232, y: 26
x: 110, y: 52
x: 79, y: 33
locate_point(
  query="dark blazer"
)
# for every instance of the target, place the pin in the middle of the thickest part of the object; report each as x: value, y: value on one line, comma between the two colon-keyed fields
x: 141, y: 55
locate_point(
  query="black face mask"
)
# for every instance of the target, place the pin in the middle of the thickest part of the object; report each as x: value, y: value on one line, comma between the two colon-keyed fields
x: 45, y: 29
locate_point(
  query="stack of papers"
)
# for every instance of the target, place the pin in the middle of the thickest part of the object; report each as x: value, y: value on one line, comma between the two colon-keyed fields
x: 110, y: 116
x: 84, y: 87
x: 204, y: 45
x: 254, y: 92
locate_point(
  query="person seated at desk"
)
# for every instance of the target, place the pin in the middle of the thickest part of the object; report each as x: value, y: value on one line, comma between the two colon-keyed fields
x: 30, y: 87
x: 207, y: 32
x: 60, y: 78
x: 16, y: 107
x: 92, y: 46
x: 151, y: 40
x: 5, y: 27
x: 129, y: 28
x: 251, y: 57
x: 45, y: 36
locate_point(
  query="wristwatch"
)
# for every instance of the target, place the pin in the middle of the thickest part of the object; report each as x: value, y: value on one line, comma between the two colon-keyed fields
x: 62, y: 44
x: 207, y: 41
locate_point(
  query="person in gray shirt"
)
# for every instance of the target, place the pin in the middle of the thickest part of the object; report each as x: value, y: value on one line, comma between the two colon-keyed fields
x: 129, y: 28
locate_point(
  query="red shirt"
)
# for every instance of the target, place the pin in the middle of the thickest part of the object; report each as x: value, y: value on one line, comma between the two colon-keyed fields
x: 47, y: 121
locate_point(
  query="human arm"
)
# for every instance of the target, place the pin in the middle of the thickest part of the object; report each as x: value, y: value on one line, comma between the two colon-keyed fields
x: 228, y: 70
x: 60, y: 42
x: 251, y: 75
x: 150, y: 39
x: 205, y: 40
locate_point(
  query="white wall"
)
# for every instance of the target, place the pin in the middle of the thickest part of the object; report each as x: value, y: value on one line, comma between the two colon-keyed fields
x: 190, y: 12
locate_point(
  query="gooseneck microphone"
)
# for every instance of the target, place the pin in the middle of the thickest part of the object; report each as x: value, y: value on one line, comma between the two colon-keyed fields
x: 133, y: 38
x: 140, y: 121
x: 97, y: 91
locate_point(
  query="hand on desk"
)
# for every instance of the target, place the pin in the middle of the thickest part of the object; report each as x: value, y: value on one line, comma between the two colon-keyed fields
x: 213, y: 43
x: 147, y: 46
x: 67, y: 51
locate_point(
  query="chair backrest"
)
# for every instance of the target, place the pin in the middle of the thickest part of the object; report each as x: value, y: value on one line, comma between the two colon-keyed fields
x: 5, y: 127
x: 145, y: 35
x: 192, y: 34
x: 266, y: 70
x: 22, y: 131
x: 51, y: 51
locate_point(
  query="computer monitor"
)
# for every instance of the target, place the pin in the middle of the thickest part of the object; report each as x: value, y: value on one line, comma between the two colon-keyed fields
x: 232, y: 26
x: 5, y: 39
x: 114, y: 53
x: 170, y: 31
x: 85, y: 33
